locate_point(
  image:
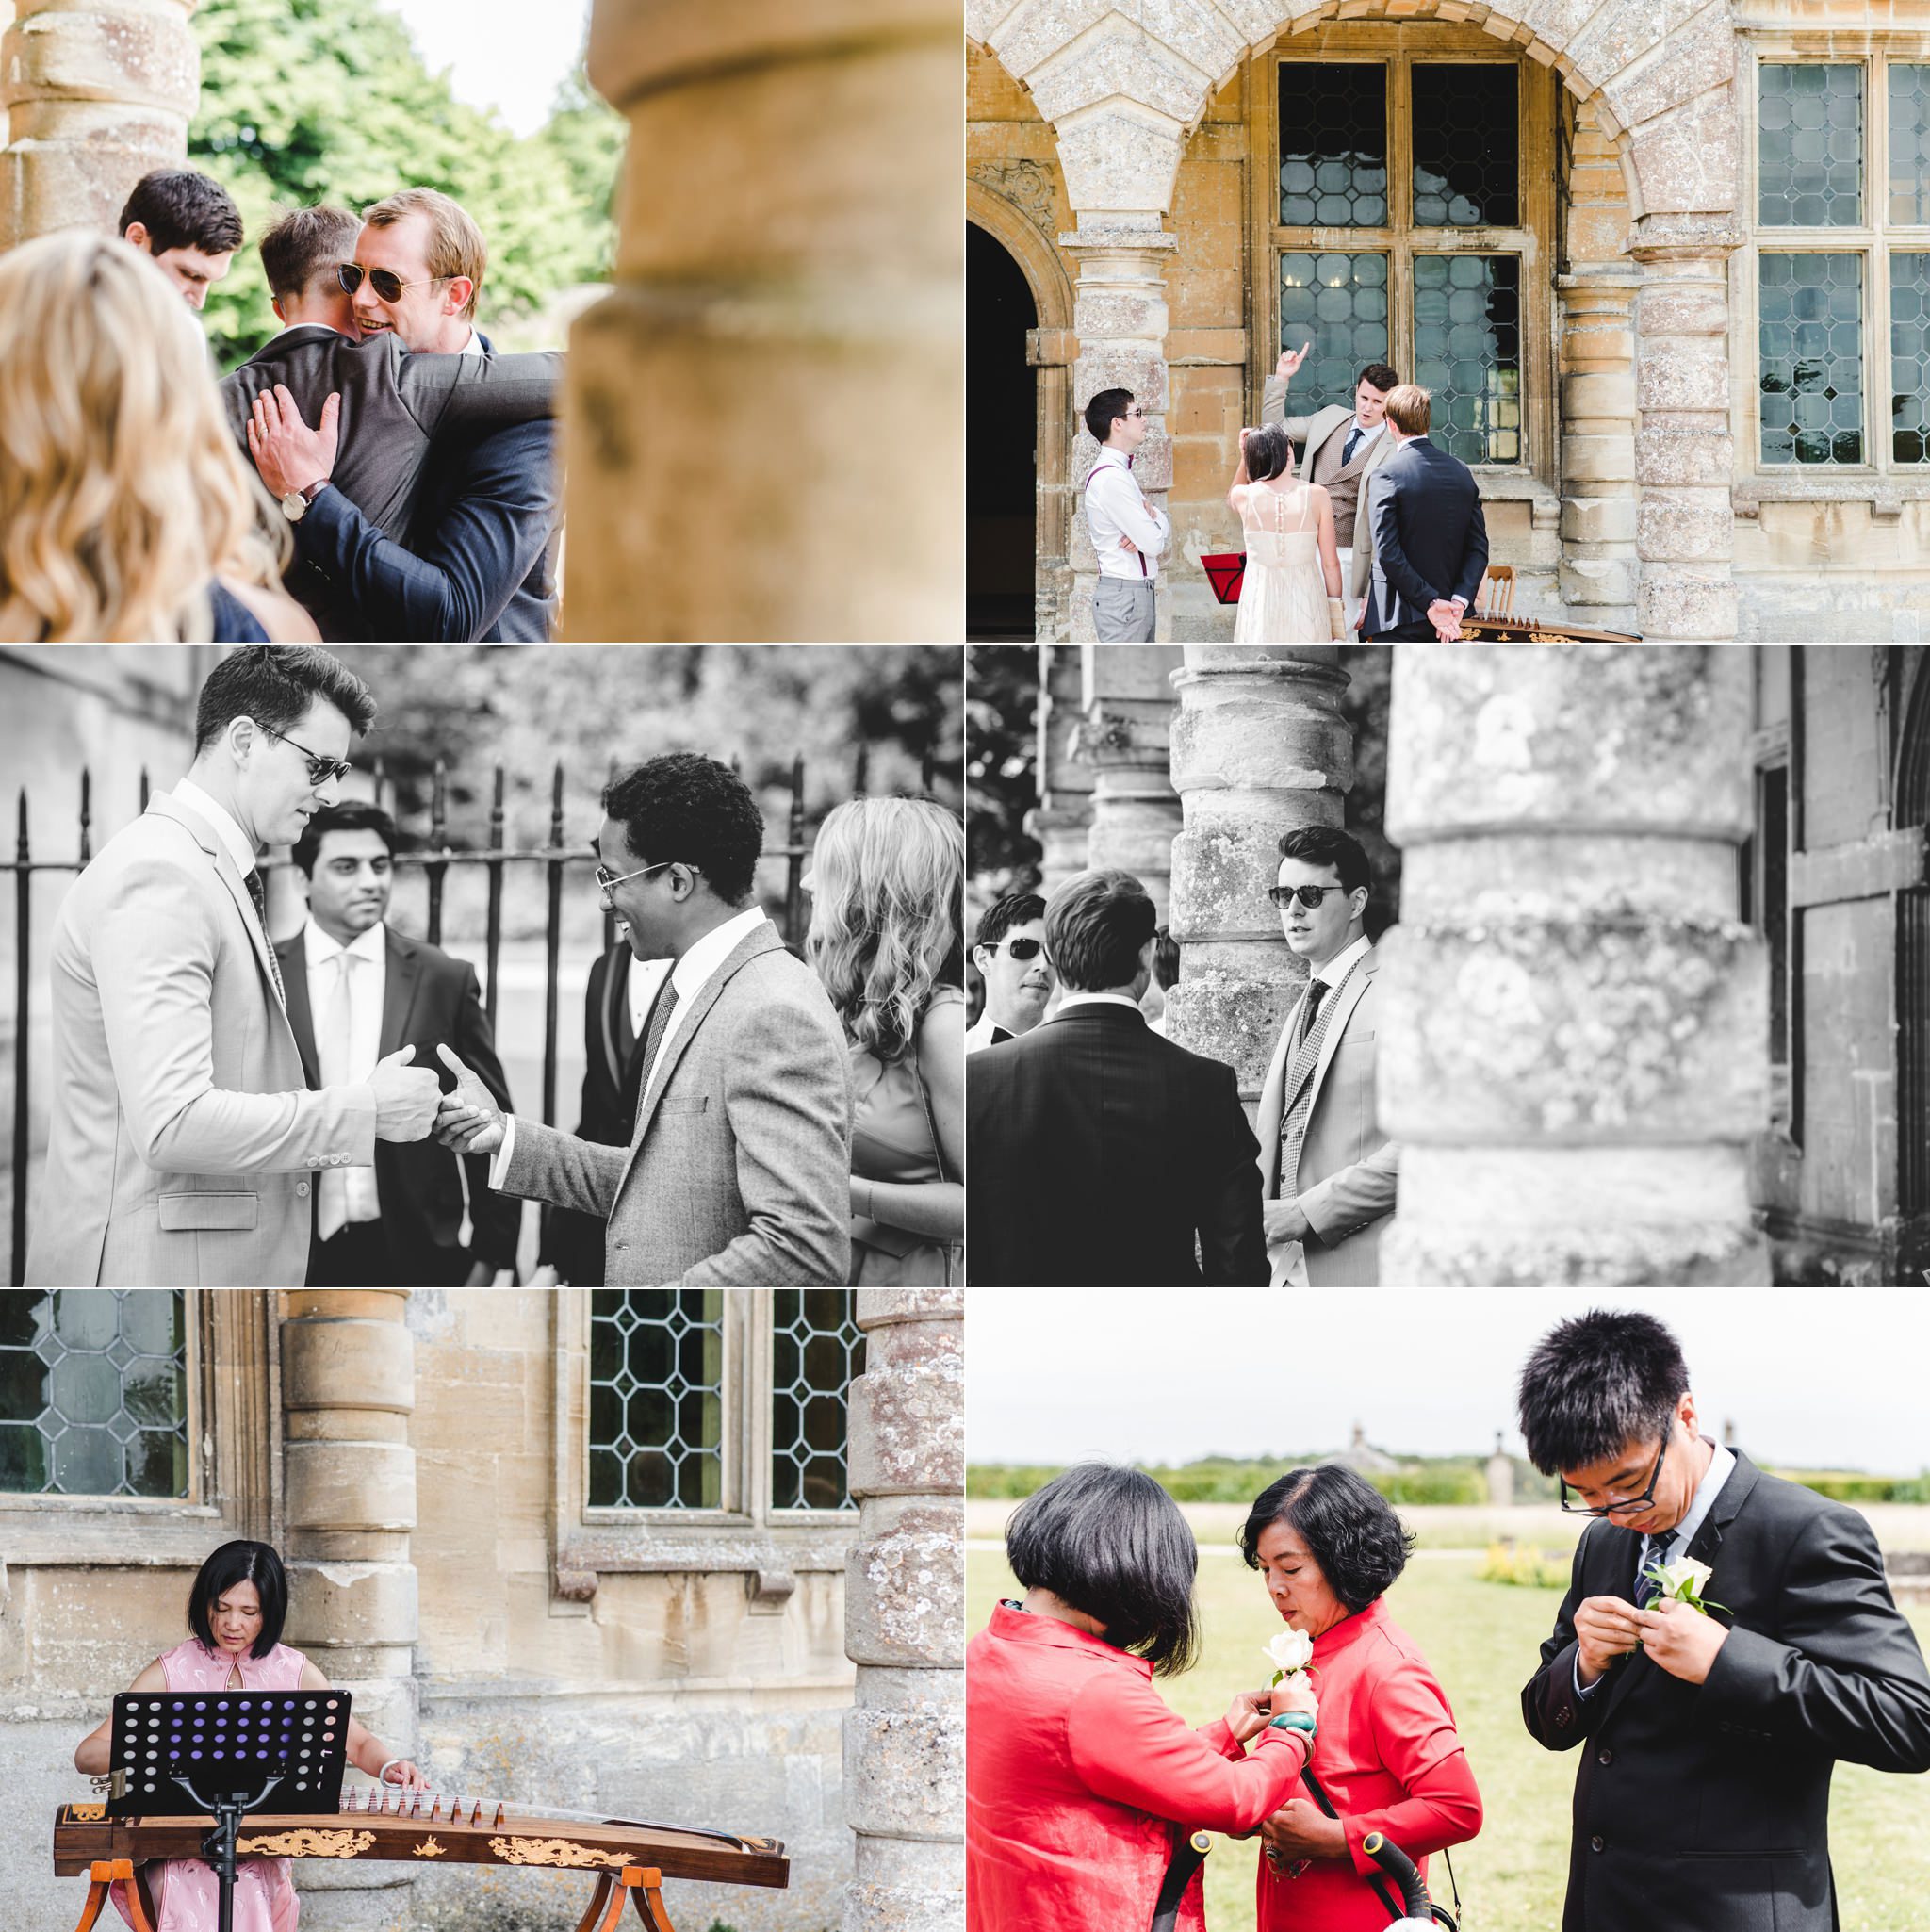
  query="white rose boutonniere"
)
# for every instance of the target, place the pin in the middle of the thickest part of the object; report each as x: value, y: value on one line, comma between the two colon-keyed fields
x: 1682, y: 1581
x: 1289, y: 1652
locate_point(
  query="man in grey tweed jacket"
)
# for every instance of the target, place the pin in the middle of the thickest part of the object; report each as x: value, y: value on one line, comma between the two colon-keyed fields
x: 738, y: 1173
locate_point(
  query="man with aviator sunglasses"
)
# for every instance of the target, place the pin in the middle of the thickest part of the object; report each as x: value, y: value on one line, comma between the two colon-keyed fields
x: 1011, y: 956
x: 406, y: 548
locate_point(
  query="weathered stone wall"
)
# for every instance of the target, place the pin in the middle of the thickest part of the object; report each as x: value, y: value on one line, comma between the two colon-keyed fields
x: 1124, y: 734
x: 1062, y: 819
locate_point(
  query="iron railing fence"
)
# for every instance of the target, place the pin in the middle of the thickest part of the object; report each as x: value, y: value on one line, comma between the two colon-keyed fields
x: 434, y: 861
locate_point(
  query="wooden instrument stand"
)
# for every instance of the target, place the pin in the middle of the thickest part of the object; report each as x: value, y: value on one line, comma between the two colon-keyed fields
x: 638, y: 1883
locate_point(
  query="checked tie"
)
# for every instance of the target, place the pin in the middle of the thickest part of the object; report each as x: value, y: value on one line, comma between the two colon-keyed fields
x: 258, y: 892
x: 654, y: 1029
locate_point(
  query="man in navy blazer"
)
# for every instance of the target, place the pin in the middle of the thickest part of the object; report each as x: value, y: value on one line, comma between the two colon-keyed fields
x: 479, y: 559
x: 1431, y: 541
x: 1706, y: 1740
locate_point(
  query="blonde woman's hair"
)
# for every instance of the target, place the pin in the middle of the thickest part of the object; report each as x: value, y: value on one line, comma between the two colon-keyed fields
x: 121, y: 491
x: 888, y: 885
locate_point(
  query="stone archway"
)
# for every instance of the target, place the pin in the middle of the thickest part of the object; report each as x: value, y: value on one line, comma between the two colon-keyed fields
x: 1122, y: 98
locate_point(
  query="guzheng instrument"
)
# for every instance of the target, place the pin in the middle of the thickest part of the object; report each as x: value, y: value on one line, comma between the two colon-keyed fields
x: 630, y: 1860
x: 1494, y: 622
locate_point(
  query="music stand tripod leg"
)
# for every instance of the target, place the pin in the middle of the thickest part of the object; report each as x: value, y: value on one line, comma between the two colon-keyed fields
x: 641, y: 1882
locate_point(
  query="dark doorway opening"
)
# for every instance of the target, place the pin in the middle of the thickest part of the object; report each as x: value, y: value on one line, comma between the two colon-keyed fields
x: 1001, y: 435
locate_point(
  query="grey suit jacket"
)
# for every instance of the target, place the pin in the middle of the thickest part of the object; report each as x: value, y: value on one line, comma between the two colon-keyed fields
x: 1313, y: 432
x: 1347, y: 1166
x: 395, y: 406
x: 183, y: 1130
x: 738, y: 1174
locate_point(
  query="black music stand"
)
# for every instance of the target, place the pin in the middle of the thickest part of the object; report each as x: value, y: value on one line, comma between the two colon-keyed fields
x: 223, y: 1753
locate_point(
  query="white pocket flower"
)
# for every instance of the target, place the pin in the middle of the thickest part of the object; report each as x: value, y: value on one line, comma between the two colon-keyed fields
x: 1684, y: 1578
x: 1292, y: 1651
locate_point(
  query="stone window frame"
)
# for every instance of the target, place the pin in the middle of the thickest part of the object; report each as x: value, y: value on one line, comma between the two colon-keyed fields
x: 1880, y: 480
x: 1398, y: 45
x: 771, y: 1546
x: 235, y: 1475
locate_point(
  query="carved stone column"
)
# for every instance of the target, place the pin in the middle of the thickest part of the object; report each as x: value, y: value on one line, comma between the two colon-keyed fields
x: 780, y: 283
x: 1120, y: 317
x: 1124, y: 735
x: 94, y: 93
x: 1685, y: 455
x: 348, y: 1391
x: 1259, y: 745
x: 905, y: 1615
x: 1062, y: 819
x: 1573, y: 1026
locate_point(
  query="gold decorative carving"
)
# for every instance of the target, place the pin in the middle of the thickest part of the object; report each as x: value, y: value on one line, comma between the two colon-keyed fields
x: 86, y: 1814
x: 429, y: 1849
x: 307, y: 1843
x: 558, y: 1851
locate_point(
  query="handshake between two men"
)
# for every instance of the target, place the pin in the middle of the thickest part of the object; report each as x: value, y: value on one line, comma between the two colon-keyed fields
x: 410, y: 1104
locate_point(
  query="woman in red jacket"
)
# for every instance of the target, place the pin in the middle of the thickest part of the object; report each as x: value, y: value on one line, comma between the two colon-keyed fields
x: 1388, y: 1756
x: 1080, y: 1782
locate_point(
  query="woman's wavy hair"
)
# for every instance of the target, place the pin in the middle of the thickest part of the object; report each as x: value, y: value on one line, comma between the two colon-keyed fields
x: 1357, y: 1542
x: 121, y: 490
x: 886, y: 913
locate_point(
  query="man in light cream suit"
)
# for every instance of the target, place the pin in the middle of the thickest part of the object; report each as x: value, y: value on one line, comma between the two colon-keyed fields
x: 738, y: 1172
x: 183, y: 1143
x: 1328, y: 1171
x: 1342, y: 447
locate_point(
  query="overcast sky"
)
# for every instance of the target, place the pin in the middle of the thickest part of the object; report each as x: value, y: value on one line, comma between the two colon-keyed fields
x: 510, y: 57
x: 1818, y: 1379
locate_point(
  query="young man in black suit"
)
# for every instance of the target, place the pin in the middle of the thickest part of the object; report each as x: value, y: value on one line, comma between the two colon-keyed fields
x: 1430, y: 540
x: 1100, y: 1152
x: 1702, y: 1796
x: 356, y: 987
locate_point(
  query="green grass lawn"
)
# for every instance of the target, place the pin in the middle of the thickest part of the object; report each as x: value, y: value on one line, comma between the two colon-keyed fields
x: 1482, y: 1640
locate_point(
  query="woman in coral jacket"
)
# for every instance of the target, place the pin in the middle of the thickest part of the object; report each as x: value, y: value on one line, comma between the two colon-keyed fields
x: 1388, y: 1756
x: 1080, y: 1782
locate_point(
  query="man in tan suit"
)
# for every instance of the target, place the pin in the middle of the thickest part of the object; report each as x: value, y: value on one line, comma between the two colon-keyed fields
x: 1342, y: 447
x: 738, y: 1172
x: 183, y: 1143
x: 1327, y: 1170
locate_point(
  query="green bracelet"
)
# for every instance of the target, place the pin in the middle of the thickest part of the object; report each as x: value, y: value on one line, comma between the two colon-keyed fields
x: 1295, y: 1720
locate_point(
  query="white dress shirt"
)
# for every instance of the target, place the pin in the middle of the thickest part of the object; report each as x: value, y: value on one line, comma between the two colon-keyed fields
x: 1116, y: 506
x: 187, y: 793
x: 1337, y: 968
x: 1068, y: 1001
x: 345, y: 1194
x: 644, y: 977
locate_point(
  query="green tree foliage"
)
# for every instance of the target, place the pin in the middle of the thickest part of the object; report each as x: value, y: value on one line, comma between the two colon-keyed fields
x: 1002, y: 719
x: 308, y: 101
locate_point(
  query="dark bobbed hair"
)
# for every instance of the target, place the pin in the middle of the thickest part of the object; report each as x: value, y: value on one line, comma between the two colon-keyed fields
x: 1350, y: 1528
x: 683, y: 806
x: 1383, y: 376
x: 180, y: 208
x: 1268, y: 452
x: 273, y: 684
x: 351, y: 816
x: 1111, y: 1542
x: 1595, y: 1385
x: 1329, y: 846
x: 1002, y: 915
x: 240, y: 1562
x: 1166, y: 959
x: 1096, y: 924
x: 1105, y: 410
x: 305, y: 243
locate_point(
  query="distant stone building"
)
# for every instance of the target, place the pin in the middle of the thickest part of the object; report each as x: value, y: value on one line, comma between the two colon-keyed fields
x: 1666, y: 271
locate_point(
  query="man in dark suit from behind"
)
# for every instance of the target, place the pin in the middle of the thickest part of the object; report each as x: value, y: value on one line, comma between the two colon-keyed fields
x: 1100, y: 1152
x: 1430, y: 540
x: 1702, y: 1787
x: 477, y: 560
x: 356, y: 991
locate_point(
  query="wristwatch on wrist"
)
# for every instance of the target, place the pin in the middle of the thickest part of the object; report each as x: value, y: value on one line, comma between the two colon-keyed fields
x: 295, y: 505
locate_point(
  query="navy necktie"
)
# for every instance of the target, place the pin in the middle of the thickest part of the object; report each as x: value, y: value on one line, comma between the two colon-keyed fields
x: 1654, y: 1551
x: 1353, y: 443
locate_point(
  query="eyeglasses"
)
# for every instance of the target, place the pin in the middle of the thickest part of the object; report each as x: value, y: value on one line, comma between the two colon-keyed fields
x: 1631, y: 1503
x: 385, y: 282
x: 1309, y: 897
x: 1135, y: 410
x: 607, y: 879
x: 1025, y: 948
x: 320, y: 770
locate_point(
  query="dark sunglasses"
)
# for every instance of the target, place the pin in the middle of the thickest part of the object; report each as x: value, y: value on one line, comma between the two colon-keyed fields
x: 1028, y: 948
x: 385, y: 282
x: 1309, y: 897
x: 320, y: 770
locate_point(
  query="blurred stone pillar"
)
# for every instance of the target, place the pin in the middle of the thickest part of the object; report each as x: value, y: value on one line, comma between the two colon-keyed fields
x: 905, y: 1615
x: 1125, y: 735
x: 1259, y: 747
x: 761, y: 415
x: 348, y: 1391
x: 1062, y: 819
x: 94, y: 93
x: 1573, y: 1026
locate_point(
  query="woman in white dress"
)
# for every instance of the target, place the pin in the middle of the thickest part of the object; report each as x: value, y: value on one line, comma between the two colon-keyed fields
x: 1290, y: 593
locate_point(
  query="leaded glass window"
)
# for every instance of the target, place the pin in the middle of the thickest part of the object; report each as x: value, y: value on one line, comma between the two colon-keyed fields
x: 94, y: 1392
x: 1467, y: 352
x: 1809, y: 147
x: 1909, y: 143
x: 1338, y: 303
x: 1811, y: 308
x: 816, y: 1348
x: 1332, y: 145
x: 657, y: 1398
x: 1909, y: 357
x: 1467, y: 146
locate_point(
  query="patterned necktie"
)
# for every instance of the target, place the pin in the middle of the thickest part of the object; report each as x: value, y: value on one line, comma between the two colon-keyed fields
x: 258, y: 892
x: 658, y: 1024
x: 1655, y: 1550
x: 1310, y: 1007
x: 1299, y: 1101
x: 1353, y: 443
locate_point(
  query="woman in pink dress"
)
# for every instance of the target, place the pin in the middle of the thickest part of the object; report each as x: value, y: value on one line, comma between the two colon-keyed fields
x: 236, y: 1611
